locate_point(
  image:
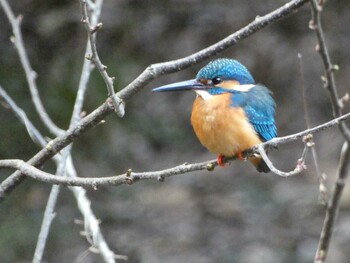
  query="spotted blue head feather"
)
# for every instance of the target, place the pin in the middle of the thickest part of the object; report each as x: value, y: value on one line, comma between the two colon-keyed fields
x: 226, y: 69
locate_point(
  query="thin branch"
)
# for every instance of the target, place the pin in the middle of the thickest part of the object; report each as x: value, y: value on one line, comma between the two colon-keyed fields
x: 91, y: 223
x: 49, y: 216
x: 329, y: 79
x: 292, y: 137
x: 321, y: 177
x: 159, y: 69
x: 333, y: 207
x: 91, y: 29
x: 149, y: 74
x: 22, y: 116
x: 56, y: 145
x: 29, y: 72
x: 50, y: 210
x: 131, y: 177
x: 297, y: 170
x: 329, y: 84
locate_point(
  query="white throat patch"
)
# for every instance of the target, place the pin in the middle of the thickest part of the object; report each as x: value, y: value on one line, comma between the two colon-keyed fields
x: 204, y: 94
x: 243, y: 88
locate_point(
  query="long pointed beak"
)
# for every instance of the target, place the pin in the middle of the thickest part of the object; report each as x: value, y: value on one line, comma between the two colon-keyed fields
x: 192, y: 84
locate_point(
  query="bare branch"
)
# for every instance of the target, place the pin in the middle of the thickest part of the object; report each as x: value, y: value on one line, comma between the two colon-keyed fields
x: 298, y: 168
x: 329, y: 82
x: 80, y: 194
x: 91, y: 223
x: 292, y: 137
x: 56, y: 145
x: 22, y: 116
x: 91, y: 30
x: 159, y: 69
x: 321, y: 177
x: 49, y: 216
x: 337, y: 104
x: 333, y: 207
x: 131, y: 177
x: 29, y: 72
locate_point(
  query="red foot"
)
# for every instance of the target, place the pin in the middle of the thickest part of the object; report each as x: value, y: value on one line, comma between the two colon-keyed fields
x: 240, y: 156
x: 221, y: 160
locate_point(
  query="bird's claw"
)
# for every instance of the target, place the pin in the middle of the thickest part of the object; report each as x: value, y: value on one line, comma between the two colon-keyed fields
x: 221, y: 161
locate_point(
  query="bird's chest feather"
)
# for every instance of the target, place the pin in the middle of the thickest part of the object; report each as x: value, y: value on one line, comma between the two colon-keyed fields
x: 221, y: 128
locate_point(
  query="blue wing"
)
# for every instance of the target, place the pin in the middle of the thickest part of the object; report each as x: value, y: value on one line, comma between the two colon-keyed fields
x: 259, y: 107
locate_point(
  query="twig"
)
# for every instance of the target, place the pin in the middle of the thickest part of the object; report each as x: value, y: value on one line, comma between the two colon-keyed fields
x: 321, y: 177
x: 329, y: 84
x: 22, y: 116
x: 149, y: 74
x: 98, y: 241
x: 329, y: 79
x: 91, y: 225
x: 298, y: 168
x: 285, y: 139
x: 159, y: 69
x: 49, y: 215
x: 131, y: 177
x: 333, y: 206
x: 29, y: 72
x: 56, y: 145
x: 91, y: 30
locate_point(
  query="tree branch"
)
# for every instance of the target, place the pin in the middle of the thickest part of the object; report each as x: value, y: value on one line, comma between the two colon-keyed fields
x: 333, y: 206
x: 320, y: 176
x: 29, y: 72
x: 329, y: 79
x: 337, y: 105
x: 91, y: 225
x: 159, y: 69
x: 92, y: 29
x: 131, y: 177
x: 49, y: 216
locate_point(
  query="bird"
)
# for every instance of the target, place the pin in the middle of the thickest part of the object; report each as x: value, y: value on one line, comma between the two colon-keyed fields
x: 231, y: 112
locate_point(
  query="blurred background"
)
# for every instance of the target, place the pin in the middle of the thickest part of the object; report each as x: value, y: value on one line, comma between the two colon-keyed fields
x: 232, y: 214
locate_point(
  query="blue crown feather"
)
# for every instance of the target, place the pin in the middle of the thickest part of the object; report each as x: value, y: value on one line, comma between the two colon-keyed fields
x: 226, y: 69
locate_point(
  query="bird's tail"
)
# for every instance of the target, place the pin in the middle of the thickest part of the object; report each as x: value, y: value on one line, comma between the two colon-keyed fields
x: 260, y: 164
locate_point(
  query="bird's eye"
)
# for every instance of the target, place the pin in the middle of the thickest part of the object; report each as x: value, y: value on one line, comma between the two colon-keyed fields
x: 216, y: 80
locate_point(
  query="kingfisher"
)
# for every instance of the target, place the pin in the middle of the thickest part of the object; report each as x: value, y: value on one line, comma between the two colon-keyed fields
x: 231, y: 112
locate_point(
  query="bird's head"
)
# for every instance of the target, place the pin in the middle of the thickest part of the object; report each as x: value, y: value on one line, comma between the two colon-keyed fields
x: 217, y: 77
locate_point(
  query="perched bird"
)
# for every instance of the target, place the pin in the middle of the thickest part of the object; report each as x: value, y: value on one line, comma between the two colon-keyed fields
x: 231, y: 113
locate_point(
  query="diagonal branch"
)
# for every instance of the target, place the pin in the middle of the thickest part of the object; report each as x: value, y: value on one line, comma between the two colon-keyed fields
x: 91, y: 223
x: 159, y: 69
x: 29, y: 72
x: 333, y: 206
x: 330, y: 85
x: 329, y: 79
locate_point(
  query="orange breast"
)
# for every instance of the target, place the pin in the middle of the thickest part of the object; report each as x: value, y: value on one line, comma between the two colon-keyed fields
x: 221, y: 128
